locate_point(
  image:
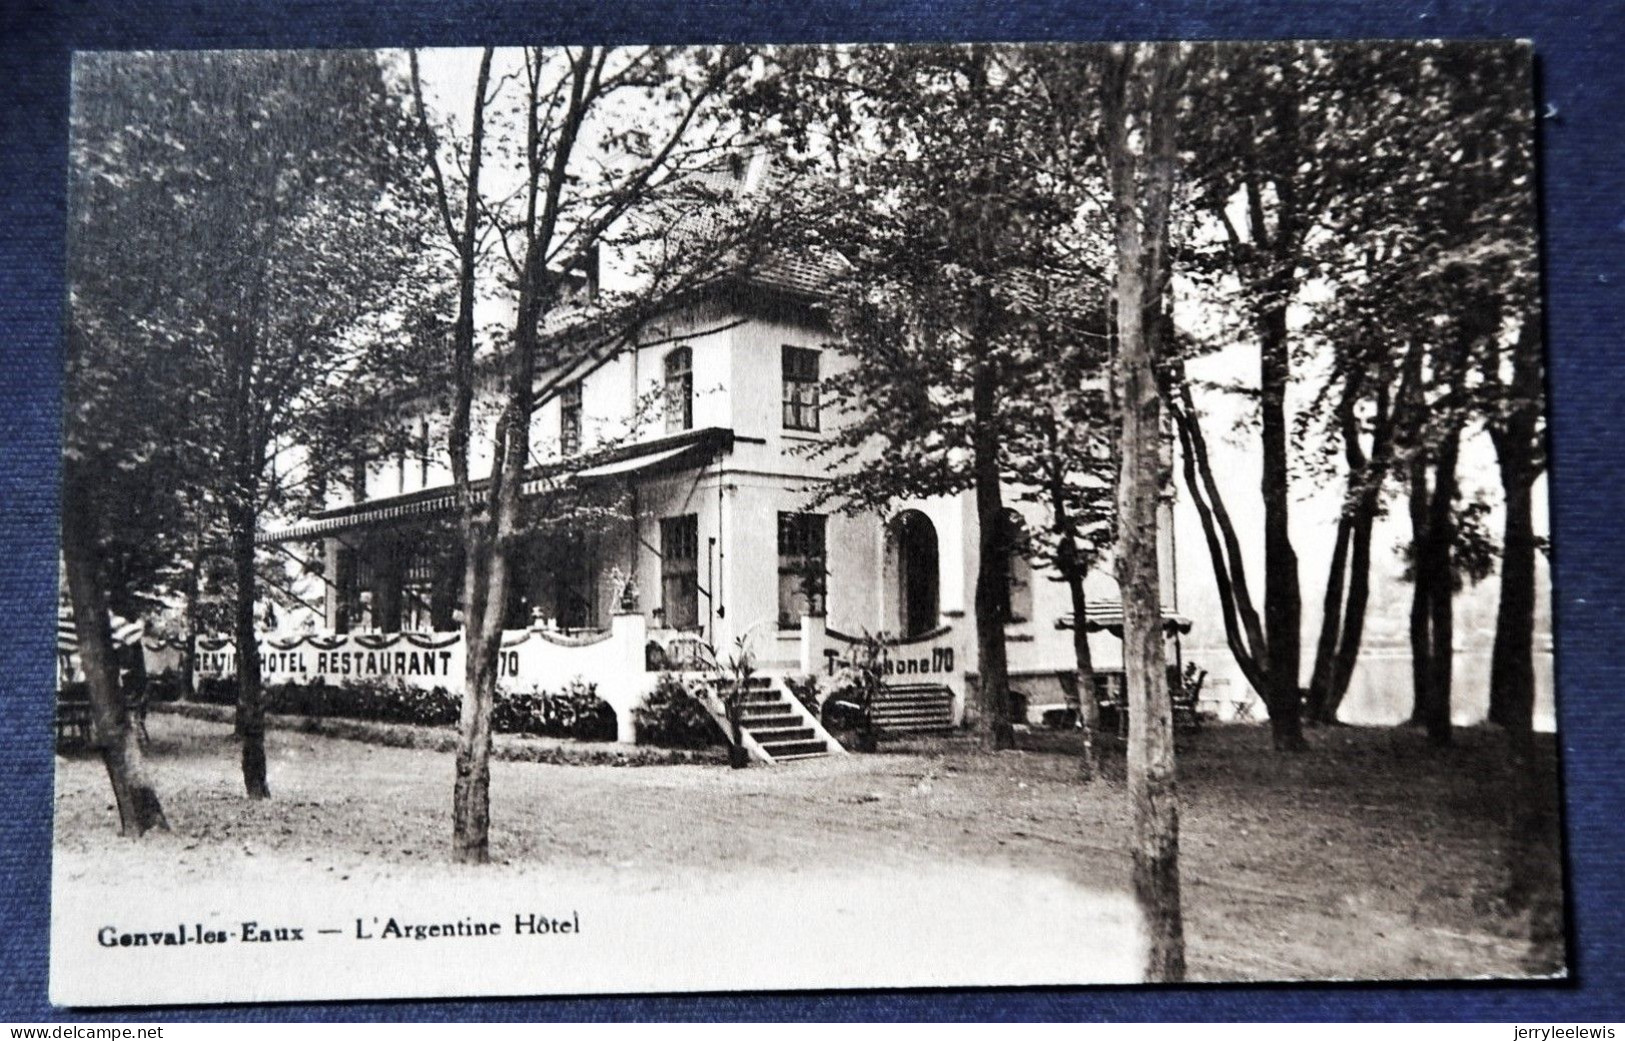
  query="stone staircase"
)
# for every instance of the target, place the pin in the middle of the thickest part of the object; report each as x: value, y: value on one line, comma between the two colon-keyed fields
x: 777, y: 728
x: 913, y: 708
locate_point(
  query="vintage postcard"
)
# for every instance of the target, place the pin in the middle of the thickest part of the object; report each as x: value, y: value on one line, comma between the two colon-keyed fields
x: 615, y: 520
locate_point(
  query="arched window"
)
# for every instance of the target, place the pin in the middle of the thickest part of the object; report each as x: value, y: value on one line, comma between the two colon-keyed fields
x: 913, y: 564
x: 680, y: 390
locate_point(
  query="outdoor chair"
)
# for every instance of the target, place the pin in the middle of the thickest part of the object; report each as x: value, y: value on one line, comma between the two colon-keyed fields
x: 72, y: 720
x: 1186, y: 695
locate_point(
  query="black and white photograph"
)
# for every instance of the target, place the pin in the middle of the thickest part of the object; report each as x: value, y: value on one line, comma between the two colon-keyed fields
x: 650, y: 519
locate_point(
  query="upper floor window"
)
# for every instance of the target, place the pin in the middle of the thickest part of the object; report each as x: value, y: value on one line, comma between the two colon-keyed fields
x: 570, y: 419
x: 680, y: 390
x: 1018, y: 603
x: 800, y: 388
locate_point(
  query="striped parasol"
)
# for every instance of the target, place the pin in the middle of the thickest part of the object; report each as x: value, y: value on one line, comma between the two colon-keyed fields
x: 125, y: 633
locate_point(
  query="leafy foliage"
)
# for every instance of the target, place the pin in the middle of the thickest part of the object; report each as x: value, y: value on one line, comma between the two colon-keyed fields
x: 576, y: 711
x: 808, y: 691
x: 673, y: 716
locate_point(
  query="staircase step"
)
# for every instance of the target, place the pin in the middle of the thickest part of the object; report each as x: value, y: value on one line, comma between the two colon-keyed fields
x: 781, y: 749
x: 754, y: 723
x: 753, y: 696
x: 805, y: 755
x: 765, y: 735
x: 764, y: 707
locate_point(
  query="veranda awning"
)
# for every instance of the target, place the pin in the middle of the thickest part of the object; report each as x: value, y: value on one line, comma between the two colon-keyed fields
x: 1107, y: 616
x: 636, y: 464
x: 691, y: 447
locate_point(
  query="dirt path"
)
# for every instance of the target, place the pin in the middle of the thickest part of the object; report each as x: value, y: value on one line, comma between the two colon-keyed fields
x: 1364, y: 860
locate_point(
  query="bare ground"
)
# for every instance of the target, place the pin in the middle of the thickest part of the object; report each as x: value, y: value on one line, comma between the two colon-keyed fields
x: 1372, y: 857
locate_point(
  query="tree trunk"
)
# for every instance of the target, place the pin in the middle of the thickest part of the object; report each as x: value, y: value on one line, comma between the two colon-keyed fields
x: 1073, y: 570
x: 1359, y: 593
x: 471, y: 790
x: 1366, y: 476
x: 1139, y: 278
x: 1512, y: 668
x: 1152, y: 782
x: 485, y: 591
x: 1282, y: 606
x: 992, y: 572
x: 193, y: 591
x: 250, y: 688
x: 1421, y: 603
x: 189, y: 652
x: 1440, y: 579
x: 484, y: 578
x: 138, y: 807
x: 1441, y: 659
x: 1331, y: 625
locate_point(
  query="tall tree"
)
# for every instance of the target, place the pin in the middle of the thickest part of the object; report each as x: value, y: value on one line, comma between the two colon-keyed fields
x: 1470, y: 304
x: 1140, y: 100
x: 130, y: 445
x: 1358, y: 410
x: 1060, y: 448
x: 1262, y: 177
x: 951, y: 234
x: 277, y: 235
x: 139, y: 808
x: 1502, y: 251
x: 591, y: 178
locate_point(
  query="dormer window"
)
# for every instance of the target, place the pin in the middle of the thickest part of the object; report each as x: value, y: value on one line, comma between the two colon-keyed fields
x: 800, y: 388
x: 570, y: 419
x: 680, y: 390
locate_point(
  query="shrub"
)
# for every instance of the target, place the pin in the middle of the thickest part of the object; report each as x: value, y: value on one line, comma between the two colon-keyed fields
x: 842, y: 712
x: 591, y: 717
x: 576, y: 712
x: 217, y: 690
x: 376, y: 700
x: 164, y: 686
x: 673, y: 716
x: 805, y: 690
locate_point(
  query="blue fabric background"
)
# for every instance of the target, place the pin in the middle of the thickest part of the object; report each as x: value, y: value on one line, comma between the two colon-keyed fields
x: 1582, y: 52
